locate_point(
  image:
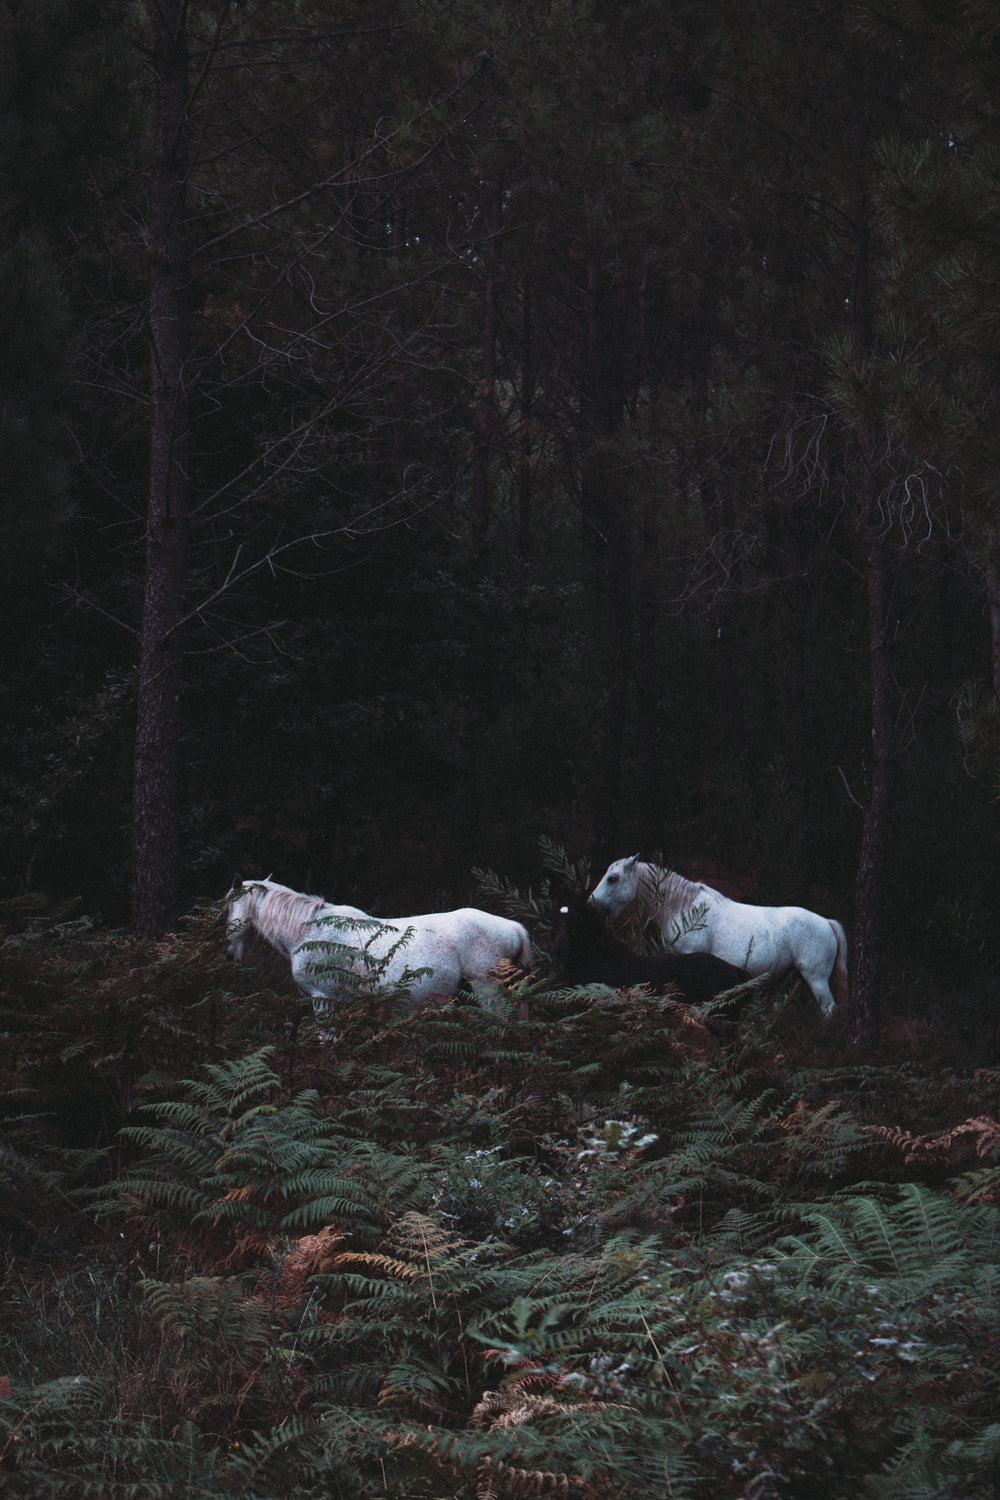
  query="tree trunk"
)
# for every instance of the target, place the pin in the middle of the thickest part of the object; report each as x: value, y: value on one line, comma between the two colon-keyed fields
x: 156, y: 799
x: 607, y: 513
x: 614, y: 730
x: 993, y: 604
x: 486, y: 416
x: 800, y: 837
x: 865, y: 997
x: 524, y: 464
x: 648, y: 591
x: 864, y: 1007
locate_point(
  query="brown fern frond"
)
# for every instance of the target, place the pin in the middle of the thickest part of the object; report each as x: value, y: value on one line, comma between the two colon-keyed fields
x: 690, y: 1020
x: 514, y: 1407
x: 985, y: 1130
x: 892, y: 1136
x: 311, y: 1255
x: 507, y: 972
x: 370, y: 1261
x: 804, y: 1120
x: 416, y: 1234
x: 974, y: 1137
x: 694, y: 1038
x: 494, y: 1479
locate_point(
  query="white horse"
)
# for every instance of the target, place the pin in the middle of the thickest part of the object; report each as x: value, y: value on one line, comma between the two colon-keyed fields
x: 694, y: 918
x: 337, y: 951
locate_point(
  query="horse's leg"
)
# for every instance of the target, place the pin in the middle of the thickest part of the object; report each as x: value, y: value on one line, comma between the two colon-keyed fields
x: 817, y: 973
x: 324, y: 1002
x: 838, y: 977
x: 822, y: 993
x: 812, y: 945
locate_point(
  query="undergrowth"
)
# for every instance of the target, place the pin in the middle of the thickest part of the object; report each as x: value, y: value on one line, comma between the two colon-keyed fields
x: 622, y: 1249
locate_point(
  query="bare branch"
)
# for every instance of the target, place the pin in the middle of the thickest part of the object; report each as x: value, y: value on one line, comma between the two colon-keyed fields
x: 847, y: 788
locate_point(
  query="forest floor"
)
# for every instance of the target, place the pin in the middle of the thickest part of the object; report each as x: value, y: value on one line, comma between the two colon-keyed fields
x: 589, y: 1243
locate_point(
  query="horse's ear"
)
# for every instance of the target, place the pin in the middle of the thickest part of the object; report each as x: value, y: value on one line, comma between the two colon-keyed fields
x: 237, y: 884
x: 632, y: 860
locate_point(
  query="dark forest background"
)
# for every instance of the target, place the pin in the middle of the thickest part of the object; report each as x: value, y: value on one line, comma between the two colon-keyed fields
x: 432, y: 427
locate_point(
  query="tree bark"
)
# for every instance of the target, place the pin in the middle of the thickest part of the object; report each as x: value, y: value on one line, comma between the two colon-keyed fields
x: 524, y: 465
x: 486, y: 416
x: 648, y: 591
x: 620, y: 585
x: 607, y: 513
x: 993, y: 604
x: 864, y: 1007
x: 865, y: 1001
x: 156, y: 797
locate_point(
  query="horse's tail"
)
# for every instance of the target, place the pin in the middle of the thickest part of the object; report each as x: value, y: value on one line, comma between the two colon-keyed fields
x: 838, y: 979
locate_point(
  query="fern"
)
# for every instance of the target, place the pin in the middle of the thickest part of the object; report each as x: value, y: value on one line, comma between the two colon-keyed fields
x: 573, y: 875
x: 623, y: 1250
x: 565, y: 879
x: 413, y: 1298
x: 911, y: 1235
x: 67, y: 1438
x: 230, y: 1164
x: 673, y: 1344
x: 981, y: 1186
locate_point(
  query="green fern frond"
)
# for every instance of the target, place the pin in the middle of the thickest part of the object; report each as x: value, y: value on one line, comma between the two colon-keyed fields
x: 968, y: 1466
x: 573, y: 873
x: 236, y: 1087
x: 981, y: 1186
x: 510, y: 901
x: 227, y: 1160
x: 914, y: 1236
x: 210, y: 1318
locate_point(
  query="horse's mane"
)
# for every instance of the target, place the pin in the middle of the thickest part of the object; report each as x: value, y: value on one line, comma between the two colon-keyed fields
x: 666, y: 895
x: 280, y: 914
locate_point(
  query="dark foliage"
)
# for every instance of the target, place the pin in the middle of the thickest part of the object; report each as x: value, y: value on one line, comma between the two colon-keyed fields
x: 625, y: 1248
x: 587, y: 953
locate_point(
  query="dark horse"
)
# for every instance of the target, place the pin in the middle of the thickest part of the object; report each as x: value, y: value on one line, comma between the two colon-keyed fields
x: 586, y: 953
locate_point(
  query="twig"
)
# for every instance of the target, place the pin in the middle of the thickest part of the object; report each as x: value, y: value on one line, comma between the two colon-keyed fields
x: 847, y: 788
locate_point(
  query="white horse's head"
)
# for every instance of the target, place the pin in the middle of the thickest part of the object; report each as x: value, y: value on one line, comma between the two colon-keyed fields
x: 618, y: 887
x: 241, y: 912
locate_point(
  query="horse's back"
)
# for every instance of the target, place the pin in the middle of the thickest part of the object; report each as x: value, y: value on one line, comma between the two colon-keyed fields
x: 346, y: 952
x: 482, y: 938
x: 760, y: 939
